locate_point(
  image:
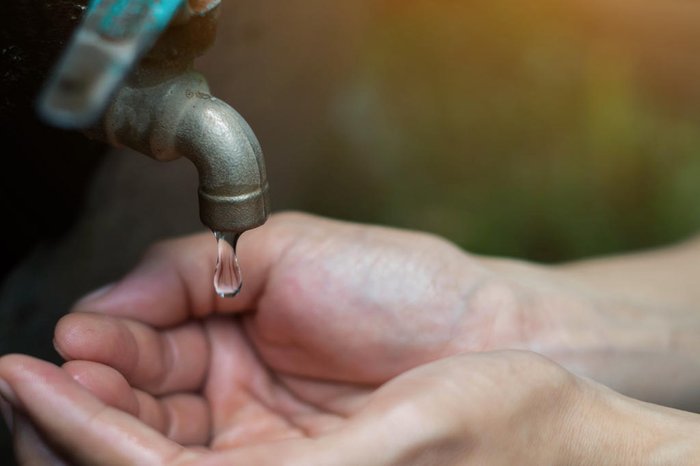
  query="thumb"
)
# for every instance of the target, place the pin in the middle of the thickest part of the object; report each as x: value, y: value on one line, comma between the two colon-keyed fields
x: 174, y: 280
x: 73, y: 421
x: 29, y: 446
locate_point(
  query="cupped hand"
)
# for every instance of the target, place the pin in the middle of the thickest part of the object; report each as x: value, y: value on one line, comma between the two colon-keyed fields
x: 361, y: 304
x: 321, y: 299
x: 329, y: 313
x: 490, y: 408
x: 322, y: 321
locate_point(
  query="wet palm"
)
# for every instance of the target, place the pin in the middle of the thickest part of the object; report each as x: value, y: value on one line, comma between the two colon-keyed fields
x: 330, y: 311
x: 344, y: 309
x: 311, y: 358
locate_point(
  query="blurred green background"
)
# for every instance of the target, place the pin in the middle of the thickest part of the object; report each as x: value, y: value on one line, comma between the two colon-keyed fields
x: 547, y: 130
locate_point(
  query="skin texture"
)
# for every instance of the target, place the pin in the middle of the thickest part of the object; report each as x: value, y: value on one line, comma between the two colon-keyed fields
x: 348, y: 345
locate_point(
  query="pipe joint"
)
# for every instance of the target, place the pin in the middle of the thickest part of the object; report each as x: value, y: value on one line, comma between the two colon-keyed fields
x: 178, y: 117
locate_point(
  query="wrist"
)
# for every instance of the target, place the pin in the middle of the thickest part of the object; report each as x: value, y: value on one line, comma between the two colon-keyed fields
x: 638, y: 348
x: 604, y: 427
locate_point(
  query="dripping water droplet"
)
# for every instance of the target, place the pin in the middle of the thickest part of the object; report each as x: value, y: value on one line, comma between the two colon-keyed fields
x: 227, y: 277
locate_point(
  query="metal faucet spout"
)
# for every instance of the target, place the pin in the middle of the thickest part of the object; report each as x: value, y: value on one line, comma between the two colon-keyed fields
x: 233, y: 188
x: 177, y: 117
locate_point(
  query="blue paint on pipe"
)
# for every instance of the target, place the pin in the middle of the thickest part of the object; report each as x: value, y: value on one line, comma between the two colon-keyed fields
x: 130, y: 19
x: 112, y: 37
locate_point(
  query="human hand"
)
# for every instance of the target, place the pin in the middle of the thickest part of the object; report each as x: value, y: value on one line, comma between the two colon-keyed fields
x: 426, y: 416
x: 363, y: 304
x: 158, y: 305
x: 489, y: 408
x: 170, y: 362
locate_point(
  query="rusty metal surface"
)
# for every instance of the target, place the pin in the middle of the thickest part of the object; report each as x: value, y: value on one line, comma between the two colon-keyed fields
x: 177, y: 117
x: 166, y: 111
x: 202, y: 6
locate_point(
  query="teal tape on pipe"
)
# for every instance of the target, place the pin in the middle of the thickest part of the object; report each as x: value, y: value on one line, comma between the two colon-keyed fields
x: 112, y: 37
x: 130, y: 19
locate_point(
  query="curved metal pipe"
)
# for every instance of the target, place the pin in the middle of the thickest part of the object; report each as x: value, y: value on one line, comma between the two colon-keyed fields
x: 177, y: 117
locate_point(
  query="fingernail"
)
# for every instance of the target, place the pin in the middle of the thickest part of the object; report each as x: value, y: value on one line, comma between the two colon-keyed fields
x: 95, y: 295
x: 6, y: 392
x: 7, y: 396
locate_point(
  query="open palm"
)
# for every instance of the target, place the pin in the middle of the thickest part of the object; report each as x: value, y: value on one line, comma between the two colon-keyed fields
x: 344, y: 310
x: 330, y: 345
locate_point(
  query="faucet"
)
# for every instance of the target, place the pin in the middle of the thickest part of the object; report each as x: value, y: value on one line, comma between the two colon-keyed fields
x: 163, y: 108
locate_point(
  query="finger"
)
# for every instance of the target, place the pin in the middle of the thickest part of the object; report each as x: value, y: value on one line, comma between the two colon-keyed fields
x: 182, y: 418
x: 108, y: 385
x: 174, y: 281
x: 158, y: 362
x: 30, y: 448
x: 78, y: 423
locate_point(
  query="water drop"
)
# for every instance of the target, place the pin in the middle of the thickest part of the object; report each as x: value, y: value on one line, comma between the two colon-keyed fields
x: 227, y: 277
